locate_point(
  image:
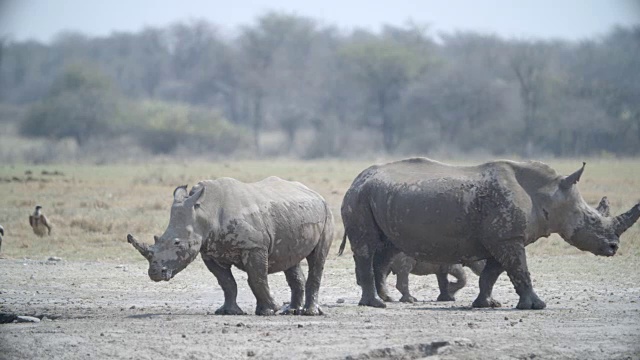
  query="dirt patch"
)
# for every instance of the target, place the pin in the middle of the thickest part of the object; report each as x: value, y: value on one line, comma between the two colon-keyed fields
x: 98, y: 309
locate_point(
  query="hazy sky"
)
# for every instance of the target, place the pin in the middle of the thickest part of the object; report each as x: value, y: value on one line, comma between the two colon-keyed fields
x: 567, y: 19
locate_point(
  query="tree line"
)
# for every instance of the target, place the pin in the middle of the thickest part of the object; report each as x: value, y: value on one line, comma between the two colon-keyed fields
x: 329, y: 92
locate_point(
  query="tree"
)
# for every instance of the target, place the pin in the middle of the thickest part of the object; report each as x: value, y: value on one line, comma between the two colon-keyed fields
x: 81, y: 104
x: 384, y: 67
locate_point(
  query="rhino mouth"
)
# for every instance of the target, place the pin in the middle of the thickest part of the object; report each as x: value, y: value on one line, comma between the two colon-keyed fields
x: 164, y: 274
x: 609, y: 249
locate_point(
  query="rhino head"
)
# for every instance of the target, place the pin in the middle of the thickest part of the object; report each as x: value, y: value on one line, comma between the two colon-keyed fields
x: 180, y: 243
x: 582, y: 226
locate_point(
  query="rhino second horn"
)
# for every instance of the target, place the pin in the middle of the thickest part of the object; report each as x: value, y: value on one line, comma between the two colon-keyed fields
x: 626, y: 220
x: 572, y: 179
x: 603, y: 207
x: 141, y: 247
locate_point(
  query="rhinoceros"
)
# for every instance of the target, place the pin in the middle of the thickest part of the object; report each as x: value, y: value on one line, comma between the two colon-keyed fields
x: 402, y: 265
x: 448, y: 214
x: 261, y: 228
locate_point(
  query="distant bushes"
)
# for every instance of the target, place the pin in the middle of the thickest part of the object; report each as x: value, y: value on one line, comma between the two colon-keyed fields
x: 164, y: 127
x: 83, y: 105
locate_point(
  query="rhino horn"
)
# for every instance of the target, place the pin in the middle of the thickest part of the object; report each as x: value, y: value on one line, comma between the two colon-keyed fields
x: 626, y: 220
x: 180, y: 193
x: 141, y: 247
x: 603, y: 207
x: 572, y: 179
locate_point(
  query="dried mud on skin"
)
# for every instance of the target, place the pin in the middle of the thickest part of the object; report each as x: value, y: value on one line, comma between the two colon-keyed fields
x: 92, y: 309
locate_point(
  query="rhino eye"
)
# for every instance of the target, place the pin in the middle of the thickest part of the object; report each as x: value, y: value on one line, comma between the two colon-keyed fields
x: 196, y: 206
x: 176, y: 242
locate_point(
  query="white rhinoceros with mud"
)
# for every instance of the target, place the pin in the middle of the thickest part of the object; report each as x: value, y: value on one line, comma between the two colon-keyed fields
x: 261, y: 228
x: 448, y: 214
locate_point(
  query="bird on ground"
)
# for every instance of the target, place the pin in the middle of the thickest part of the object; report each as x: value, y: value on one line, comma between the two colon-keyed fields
x: 39, y: 222
x: 1, y: 235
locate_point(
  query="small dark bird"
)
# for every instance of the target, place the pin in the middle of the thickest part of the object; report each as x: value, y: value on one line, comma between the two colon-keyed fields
x: 39, y: 222
x: 1, y: 235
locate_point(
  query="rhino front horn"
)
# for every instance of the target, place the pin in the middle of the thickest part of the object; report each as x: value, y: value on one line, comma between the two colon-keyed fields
x: 626, y: 220
x: 141, y: 247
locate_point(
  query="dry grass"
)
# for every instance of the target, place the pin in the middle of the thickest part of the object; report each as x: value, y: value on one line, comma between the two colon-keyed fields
x: 92, y: 208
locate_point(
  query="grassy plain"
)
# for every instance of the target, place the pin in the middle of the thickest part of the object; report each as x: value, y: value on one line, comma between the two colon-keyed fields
x: 93, y: 207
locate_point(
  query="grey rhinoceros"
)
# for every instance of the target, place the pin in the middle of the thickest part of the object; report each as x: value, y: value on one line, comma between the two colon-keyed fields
x: 261, y: 228
x: 455, y: 214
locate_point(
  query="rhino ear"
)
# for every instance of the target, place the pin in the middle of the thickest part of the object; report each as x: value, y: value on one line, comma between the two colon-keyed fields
x: 180, y: 193
x: 603, y: 207
x: 572, y: 179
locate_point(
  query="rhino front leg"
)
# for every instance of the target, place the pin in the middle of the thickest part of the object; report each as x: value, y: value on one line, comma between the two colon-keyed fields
x: 229, y: 287
x: 513, y: 259
x: 402, y: 284
x: 296, y: 281
x: 257, y: 267
x: 488, y: 277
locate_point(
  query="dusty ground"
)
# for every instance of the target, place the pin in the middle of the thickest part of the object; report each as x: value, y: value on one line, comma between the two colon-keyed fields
x: 106, y: 309
x: 102, y: 311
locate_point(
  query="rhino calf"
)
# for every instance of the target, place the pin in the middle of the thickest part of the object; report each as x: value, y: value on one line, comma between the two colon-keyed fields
x: 403, y: 265
x: 448, y: 214
x: 261, y: 228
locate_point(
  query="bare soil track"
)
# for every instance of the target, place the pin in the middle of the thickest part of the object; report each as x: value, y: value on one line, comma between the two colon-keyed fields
x: 111, y: 310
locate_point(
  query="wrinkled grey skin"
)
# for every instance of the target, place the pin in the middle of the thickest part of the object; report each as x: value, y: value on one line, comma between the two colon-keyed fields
x: 447, y: 214
x: 261, y: 228
x: 402, y: 265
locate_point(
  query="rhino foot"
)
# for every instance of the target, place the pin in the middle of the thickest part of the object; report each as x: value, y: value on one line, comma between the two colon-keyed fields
x: 312, y: 311
x: 408, y: 299
x: 445, y: 297
x: 373, y: 302
x: 530, y: 302
x: 386, y: 297
x: 486, y: 303
x: 288, y: 310
x: 266, y: 310
x: 230, y: 310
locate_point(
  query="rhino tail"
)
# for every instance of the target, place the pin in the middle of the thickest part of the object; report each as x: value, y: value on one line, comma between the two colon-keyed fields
x: 343, y: 244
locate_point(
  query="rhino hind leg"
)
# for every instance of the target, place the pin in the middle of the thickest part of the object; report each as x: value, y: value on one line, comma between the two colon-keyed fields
x: 443, y: 284
x: 364, y: 275
x: 296, y: 281
x: 229, y: 287
x: 381, y: 268
x: 256, y: 265
x: 461, y: 279
x: 315, y: 260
